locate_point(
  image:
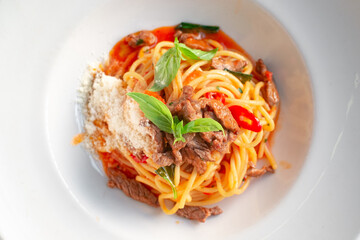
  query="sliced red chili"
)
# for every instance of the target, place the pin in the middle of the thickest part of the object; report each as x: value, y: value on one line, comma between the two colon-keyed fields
x: 245, y: 118
x: 216, y: 95
x: 138, y: 160
x: 268, y: 75
x: 206, y: 193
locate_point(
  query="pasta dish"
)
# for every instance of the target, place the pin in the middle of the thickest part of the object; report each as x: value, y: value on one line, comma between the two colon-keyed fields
x: 180, y: 118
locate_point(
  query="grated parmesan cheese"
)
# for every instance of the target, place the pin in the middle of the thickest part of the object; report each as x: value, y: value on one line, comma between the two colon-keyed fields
x: 106, y: 101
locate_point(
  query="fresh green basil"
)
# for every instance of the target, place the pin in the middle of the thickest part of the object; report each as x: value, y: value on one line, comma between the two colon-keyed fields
x: 154, y: 110
x: 196, y: 54
x: 167, y: 173
x: 139, y: 42
x: 207, y: 28
x: 240, y: 90
x: 159, y: 114
x: 166, y: 69
x: 202, y: 125
x: 243, y: 77
x: 169, y: 63
x: 178, y: 132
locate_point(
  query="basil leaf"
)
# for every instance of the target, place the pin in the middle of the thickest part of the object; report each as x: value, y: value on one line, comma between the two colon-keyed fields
x: 243, y: 77
x: 207, y: 28
x: 167, y: 173
x: 196, y: 54
x: 139, y: 42
x: 178, y: 132
x: 154, y: 110
x: 202, y: 125
x: 166, y: 69
x: 176, y: 120
x: 240, y: 90
x: 176, y: 42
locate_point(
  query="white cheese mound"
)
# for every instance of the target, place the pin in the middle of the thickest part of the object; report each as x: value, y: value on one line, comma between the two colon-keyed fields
x: 108, y: 102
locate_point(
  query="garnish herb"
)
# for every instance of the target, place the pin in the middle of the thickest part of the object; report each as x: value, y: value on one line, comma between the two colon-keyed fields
x: 167, y: 173
x: 218, y: 88
x: 207, y: 28
x: 265, y: 140
x: 194, y: 54
x: 202, y: 125
x: 240, y: 90
x: 159, y: 114
x: 166, y: 69
x: 139, y: 42
x: 169, y: 63
x: 243, y: 77
x: 156, y: 111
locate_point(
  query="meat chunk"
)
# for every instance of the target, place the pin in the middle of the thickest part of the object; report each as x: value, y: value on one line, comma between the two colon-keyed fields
x: 222, y: 113
x: 158, y: 136
x: 261, y: 68
x: 269, y: 92
x: 230, y: 63
x: 255, y: 172
x: 139, y: 39
x: 197, y: 153
x: 193, y: 40
x: 182, y: 36
x: 199, y: 214
x: 197, y: 149
x: 131, y: 187
x: 186, y: 108
x: 178, y: 146
x: 164, y: 159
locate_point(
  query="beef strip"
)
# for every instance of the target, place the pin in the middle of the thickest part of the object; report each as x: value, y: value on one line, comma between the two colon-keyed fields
x: 230, y: 63
x: 178, y: 146
x: 193, y: 40
x: 197, y: 148
x: 139, y: 39
x: 222, y: 113
x: 163, y: 159
x: 158, y: 136
x: 182, y: 36
x: 186, y: 108
x: 255, y: 172
x: 197, y: 153
x: 139, y: 192
x: 131, y: 187
x: 269, y: 91
x: 199, y: 214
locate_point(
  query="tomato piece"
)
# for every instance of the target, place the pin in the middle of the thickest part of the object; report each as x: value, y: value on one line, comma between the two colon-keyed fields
x: 216, y: 95
x: 207, y: 193
x: 142, y: 160
x: 155, y: 95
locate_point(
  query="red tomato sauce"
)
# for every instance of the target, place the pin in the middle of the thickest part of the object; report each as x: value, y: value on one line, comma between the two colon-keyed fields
x: 122, y: 55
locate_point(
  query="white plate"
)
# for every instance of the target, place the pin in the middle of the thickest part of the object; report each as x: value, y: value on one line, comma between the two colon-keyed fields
x: 48, y: 188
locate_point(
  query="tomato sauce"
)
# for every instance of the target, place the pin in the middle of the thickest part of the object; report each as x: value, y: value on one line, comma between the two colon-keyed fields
x: 122, y: 55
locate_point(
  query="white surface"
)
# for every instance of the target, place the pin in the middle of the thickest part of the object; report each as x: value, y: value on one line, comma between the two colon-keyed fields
x: 49, y: 190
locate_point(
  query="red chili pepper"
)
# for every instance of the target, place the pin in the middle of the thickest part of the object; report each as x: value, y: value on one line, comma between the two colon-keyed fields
x: 268, y: 75
x: 206, y: 193
x: 216, y: 95
x: 136, y: 159
x: 243, y: 116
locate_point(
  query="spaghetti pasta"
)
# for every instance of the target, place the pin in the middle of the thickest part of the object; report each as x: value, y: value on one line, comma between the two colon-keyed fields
x: 229, y: 173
